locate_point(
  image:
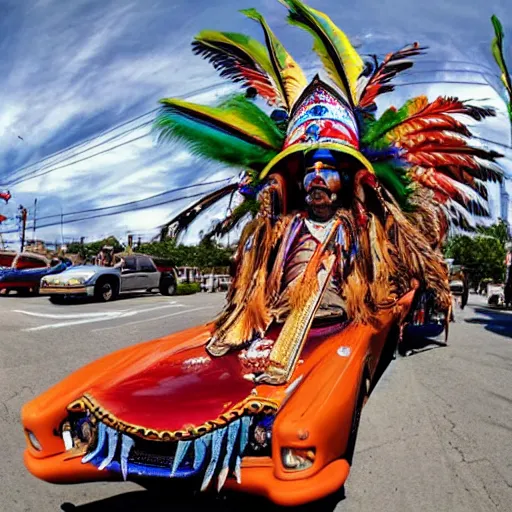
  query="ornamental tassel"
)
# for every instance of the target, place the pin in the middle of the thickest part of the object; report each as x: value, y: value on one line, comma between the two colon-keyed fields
x: 355, y: 290
x: 382, y: 263
x: 256, y: 309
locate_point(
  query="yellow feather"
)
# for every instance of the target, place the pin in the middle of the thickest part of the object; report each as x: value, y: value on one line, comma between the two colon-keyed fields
x: 351, y: 60
x: 294, y: 79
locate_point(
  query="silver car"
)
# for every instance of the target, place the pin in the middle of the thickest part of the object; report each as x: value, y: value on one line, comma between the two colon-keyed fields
x: 135, y: 274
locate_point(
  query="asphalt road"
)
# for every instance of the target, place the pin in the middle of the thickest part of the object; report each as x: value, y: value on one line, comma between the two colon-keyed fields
x: 436, y: 434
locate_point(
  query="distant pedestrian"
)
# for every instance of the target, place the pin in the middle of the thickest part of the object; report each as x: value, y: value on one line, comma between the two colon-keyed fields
x: 508, y: 275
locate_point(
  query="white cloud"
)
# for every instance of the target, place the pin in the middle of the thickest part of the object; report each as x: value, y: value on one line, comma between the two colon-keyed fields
x: 72, y: 70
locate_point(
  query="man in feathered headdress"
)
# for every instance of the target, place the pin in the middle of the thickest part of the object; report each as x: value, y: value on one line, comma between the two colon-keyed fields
x: 349, y: 209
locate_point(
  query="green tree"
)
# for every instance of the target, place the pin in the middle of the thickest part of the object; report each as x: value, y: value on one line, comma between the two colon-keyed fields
x: 93, y: 248
x: 206, y: 254
x: 483, y: 255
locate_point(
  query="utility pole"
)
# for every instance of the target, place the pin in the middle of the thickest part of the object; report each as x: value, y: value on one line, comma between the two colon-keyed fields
x: 23, y: 226
x: 61, y: 226
x: 35, y: 217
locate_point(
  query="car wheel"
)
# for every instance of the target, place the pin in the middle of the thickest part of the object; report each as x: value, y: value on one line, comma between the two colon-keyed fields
x: 35, y: 290
x: 168, y: 288
x: 57, y: 299
x: 106, y: 290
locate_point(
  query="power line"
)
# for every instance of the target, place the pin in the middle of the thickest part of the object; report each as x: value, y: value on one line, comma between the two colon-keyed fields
x: 26, y: 176
x: 419, y: 61
x: 130, y: 203
x: 52, y: 224
x: 433, y: 82
x: 30, y: 176
x: 193, y: 93
x: 82, y: 143
x: 168, y: 201
x: 16, y: 182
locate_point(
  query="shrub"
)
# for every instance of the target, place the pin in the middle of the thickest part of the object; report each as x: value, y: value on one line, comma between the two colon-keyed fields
x: 188, y: 288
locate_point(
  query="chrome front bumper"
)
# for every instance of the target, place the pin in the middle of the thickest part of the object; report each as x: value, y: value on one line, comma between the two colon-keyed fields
x: 67, y: 290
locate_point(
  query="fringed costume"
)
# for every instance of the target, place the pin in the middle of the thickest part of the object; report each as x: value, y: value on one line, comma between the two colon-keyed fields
x: 405, y: 176
x: 345, y: 213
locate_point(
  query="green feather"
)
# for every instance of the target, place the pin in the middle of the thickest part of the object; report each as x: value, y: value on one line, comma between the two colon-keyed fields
x: 376, y: 129
x: 241, y: 59
x: 375, y: 132
x: 236, y: 132
x: 497, y: 51
x: 396, y: 181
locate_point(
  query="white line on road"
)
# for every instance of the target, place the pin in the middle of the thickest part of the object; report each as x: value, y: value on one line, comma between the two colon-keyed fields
x: 62, y: 317
x: 152, y: 319
x: 95, y: 314
x: 95, y: 318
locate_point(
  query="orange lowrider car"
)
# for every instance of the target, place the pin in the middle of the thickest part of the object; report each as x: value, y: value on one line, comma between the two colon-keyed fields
x: 347, y: 216
x: 259, y: 439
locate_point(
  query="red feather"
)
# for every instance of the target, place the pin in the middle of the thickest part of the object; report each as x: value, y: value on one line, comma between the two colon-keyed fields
x: 443, y: 184
x: 426, y: 158
x: 392, y: 65
x: 437, y: 122
x: 237, y: 65
x: 415, y: 140
x: 438, y: 116
x: 451, y: 105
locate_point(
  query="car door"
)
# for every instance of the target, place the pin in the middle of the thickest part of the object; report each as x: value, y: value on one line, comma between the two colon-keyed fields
x: 148, y: 275
x: 129, y: 274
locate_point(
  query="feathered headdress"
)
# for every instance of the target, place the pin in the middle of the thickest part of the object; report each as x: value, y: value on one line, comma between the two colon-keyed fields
x: 499, y: 57
x: 410, y: 150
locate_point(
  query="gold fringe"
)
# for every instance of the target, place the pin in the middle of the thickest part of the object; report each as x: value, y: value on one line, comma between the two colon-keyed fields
x: 389, y: 257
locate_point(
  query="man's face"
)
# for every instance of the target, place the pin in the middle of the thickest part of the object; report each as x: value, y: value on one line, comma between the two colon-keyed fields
x: 322, y: 185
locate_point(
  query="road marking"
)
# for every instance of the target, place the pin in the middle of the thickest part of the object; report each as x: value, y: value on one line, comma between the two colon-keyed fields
x: 86, y: 318
x: 93, y: 313
x: 152, y: 319
x: 75, y: 315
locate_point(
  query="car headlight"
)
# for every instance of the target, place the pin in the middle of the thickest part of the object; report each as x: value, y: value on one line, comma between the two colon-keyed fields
x: 297, y: 459
x: 33, y: 440
x: 74, y: 281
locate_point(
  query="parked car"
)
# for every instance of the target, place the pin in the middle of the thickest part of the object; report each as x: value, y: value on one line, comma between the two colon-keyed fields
x: 6, y: 258
x: 215, y: 283
x: 25, y: 272
x: 189, y: 274
x: 223, y: 283
x: 137, y: 273
x: 495, y: 294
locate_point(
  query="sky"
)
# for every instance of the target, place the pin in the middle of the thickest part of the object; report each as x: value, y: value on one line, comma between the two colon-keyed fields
x: 72, y: 70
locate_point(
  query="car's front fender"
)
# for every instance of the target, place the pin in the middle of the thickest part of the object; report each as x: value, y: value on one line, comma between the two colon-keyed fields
x: 319, y: 413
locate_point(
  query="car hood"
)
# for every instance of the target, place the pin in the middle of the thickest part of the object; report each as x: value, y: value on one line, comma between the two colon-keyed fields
x: 82, y: 270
